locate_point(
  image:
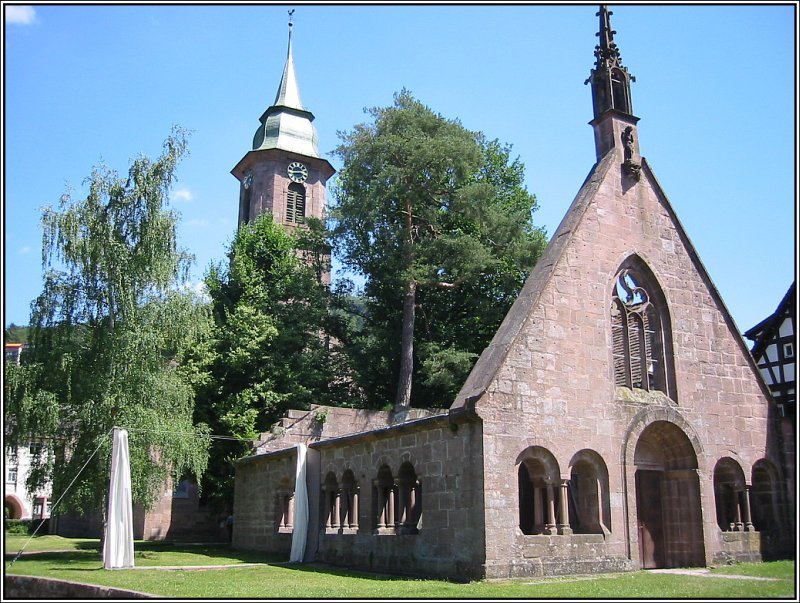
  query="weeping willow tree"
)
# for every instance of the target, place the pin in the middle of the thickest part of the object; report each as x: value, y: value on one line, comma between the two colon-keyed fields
x: 108, y: 339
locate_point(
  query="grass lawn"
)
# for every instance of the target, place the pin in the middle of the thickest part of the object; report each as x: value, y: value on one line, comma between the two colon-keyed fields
x: 78, y: 560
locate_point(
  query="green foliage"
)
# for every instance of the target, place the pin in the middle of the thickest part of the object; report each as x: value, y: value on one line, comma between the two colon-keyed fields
x: 427, y: 209
x: 109, y: 334
x: 26, y: 526
x: 16, y: 334
x: 275, y: 343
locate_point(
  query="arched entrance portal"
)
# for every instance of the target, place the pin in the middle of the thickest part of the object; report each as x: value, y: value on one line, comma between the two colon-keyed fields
x: 668, y: 498
x: 13, y: 508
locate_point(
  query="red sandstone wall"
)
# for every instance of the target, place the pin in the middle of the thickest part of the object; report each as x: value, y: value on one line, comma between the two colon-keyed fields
x: 555, y: 388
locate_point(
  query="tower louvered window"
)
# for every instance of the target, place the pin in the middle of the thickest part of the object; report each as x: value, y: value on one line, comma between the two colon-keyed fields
x: 296, y: 204
x: 636, y: 337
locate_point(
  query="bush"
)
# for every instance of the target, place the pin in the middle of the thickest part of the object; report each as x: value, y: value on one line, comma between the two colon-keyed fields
x: 26, y: 526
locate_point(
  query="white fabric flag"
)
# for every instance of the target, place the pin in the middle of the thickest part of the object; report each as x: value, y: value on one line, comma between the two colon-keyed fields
x: 300, y: 529
x: 118, y: 544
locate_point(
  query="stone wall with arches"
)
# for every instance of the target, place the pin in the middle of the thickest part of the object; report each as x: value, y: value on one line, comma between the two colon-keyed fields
x: 407, y: 498
x: 419, y: 500
x: 620, y: 344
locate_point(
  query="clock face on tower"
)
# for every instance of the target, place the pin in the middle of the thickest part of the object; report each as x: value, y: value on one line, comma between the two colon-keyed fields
x: 297, y: 172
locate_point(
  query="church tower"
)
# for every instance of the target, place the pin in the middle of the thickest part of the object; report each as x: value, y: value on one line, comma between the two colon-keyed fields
x: 284, y: 173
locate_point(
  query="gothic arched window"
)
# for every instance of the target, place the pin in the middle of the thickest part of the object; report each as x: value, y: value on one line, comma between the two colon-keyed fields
x: 640, y: 333
x: 296, y: 203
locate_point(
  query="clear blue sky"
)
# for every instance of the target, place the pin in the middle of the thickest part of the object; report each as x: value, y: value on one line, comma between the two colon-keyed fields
x: 715, y: 90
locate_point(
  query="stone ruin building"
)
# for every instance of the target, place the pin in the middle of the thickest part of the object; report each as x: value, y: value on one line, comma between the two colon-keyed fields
x: 616, y: 421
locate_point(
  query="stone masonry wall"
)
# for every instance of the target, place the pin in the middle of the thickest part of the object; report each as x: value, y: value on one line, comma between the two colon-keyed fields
x: 555, y: 388
x: 446, y: 460
x: 326, y: 422
x: 257, y: 510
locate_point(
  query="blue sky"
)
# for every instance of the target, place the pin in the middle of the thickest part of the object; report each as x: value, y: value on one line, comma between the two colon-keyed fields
x: 715, y: 90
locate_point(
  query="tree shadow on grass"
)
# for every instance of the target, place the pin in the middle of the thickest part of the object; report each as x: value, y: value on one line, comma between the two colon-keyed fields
x: 346, y: 572
x: 88, y: 552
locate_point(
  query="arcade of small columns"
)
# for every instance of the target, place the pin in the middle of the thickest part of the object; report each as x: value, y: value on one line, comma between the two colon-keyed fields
x: 741, y: 519
x: 556, y: 520
x: 737, y: 502
x: 404, y: 498
x: 398, y: 510
x: 341, y: 506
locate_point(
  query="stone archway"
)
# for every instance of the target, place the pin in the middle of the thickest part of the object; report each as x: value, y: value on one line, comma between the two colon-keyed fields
x: 13, y: 507
x: 668, y: 511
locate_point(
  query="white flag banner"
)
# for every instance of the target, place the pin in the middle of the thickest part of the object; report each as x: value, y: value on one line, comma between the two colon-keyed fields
x: 300, y: 529
x: 118, y: 543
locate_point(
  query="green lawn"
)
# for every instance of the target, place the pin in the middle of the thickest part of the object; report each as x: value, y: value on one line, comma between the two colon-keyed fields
x: 79, y: 560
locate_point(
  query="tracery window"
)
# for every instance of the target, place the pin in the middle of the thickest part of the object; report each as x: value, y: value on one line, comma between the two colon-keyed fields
x: 296, y: 203
x: 640, y: 333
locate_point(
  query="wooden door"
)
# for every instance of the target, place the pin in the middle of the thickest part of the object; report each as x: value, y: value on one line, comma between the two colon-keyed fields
x: 651, y: 526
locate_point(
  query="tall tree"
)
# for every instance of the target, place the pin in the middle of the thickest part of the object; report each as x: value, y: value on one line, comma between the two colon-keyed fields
x: 275, y: 340
x: 108, y: 336
x: 438, y: 221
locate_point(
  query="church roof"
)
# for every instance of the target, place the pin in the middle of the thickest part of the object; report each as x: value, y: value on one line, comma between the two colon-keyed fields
x: 286, y: 125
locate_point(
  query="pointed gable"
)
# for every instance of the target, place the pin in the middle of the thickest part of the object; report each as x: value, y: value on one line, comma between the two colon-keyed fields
x: 561, y: 317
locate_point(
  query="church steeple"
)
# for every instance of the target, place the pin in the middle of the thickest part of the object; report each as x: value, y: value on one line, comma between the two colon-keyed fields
x: 614, y: 123
x: 611, y: 82
x: 287, y: 124
x: 284, y: 174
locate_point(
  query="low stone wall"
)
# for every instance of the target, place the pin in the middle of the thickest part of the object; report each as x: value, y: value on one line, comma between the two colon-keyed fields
x: 326, y: 422
x: 32, y: 587
x: 544, y: 555
x: 738, y: 547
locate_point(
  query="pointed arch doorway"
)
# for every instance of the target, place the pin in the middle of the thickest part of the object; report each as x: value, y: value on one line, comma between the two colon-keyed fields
x: 669, y: 517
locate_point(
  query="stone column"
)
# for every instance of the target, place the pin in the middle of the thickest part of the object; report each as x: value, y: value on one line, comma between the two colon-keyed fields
x: 748, y: 519
x: 381, y: 506
x: 290, y: 511
x: 402, y: 503
x: 336, y: 520
x: 328, y: 509
x: 390, y: 495
x: 354, y: 510
x: 737, y: 511
x: 550, y: 526
x: 563, y: 508
x: 411, y: 510
x: 538, y: 516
